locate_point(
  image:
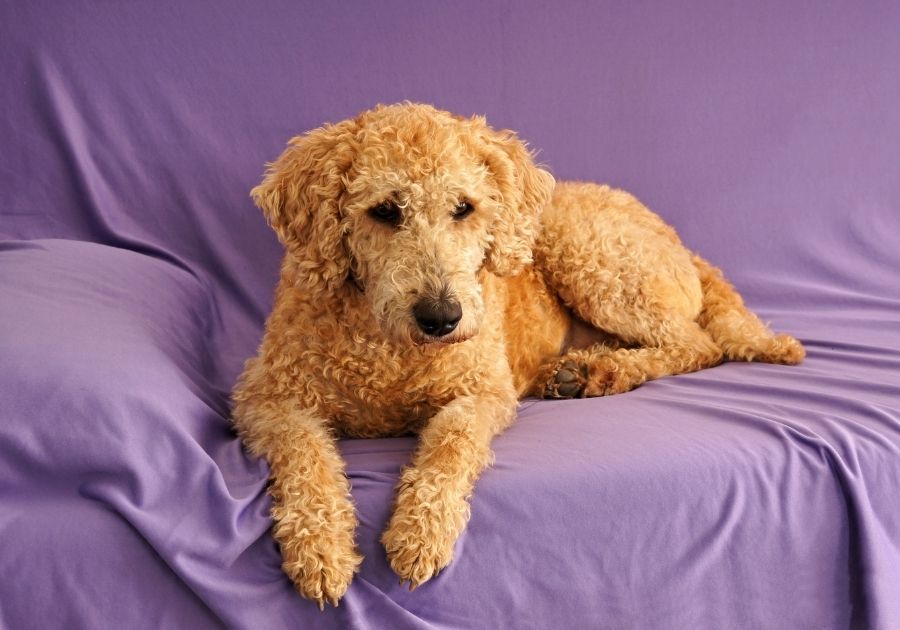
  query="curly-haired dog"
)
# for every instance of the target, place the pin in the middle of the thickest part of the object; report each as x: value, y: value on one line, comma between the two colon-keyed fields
x: 432, y: 276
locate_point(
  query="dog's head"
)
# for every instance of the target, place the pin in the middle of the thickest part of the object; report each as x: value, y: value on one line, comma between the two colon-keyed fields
x: 407, y: 204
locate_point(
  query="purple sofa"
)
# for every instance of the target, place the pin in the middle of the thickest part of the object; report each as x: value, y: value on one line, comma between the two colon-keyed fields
x: 135, y: 276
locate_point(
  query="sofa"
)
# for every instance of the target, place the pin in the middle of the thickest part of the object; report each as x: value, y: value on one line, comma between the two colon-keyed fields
x: 136, y: 275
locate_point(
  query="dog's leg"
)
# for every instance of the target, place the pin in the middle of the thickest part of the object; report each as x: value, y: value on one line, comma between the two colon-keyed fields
x: 432, y: 506
x: 739, y: 332
x: 314, y: 519
x: 674, y: 347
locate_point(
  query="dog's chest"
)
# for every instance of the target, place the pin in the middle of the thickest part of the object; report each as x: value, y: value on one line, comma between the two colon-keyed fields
x: 374, y: 389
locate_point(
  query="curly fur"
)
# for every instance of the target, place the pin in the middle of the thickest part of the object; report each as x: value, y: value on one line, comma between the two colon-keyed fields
x: 586, y: 293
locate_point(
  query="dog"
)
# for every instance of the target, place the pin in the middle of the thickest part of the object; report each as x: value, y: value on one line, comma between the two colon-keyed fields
x: 433, y: 275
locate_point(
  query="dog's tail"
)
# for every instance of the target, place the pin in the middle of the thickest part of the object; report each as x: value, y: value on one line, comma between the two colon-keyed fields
x: 738, y: 331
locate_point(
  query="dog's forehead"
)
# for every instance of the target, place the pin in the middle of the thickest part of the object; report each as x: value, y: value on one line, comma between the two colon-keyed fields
x: 417, y: 184
x: 421, y: 149
x: 415, y: 136
x: 416, y: 167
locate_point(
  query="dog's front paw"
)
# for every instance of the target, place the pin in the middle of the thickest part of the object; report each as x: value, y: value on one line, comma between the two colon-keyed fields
x: 318, y: 551
x: 413, y: 556
x: 420, y: 537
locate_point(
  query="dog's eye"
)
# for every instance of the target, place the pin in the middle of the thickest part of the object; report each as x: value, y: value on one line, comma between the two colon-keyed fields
x: 386, y: 212
x: 462, y: 210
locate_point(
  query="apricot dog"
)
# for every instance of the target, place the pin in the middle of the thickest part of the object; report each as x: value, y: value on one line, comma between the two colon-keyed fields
x: 433, y: 276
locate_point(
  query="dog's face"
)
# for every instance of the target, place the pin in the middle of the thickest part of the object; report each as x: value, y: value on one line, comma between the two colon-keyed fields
x: 419, y: 207
x: 409, y: 205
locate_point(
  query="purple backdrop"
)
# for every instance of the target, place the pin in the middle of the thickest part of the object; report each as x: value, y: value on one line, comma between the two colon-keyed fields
x: 135, y: 275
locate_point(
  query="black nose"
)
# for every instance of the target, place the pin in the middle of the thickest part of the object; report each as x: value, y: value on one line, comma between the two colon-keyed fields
x: 437, y: 317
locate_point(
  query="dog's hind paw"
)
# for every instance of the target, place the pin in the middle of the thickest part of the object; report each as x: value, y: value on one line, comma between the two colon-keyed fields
x: 568, y: 380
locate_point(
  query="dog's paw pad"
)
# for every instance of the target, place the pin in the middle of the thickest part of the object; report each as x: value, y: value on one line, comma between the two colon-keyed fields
x: 568, y: 381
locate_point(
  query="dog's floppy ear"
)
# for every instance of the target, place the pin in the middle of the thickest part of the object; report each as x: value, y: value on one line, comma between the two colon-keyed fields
x: 524, y: 190
x: 300, y: 196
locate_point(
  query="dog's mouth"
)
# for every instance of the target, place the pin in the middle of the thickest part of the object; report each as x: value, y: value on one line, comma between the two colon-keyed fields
x: 421, y: 339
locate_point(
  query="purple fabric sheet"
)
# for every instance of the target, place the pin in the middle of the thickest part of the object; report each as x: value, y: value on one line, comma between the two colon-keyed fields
x: 135, y: 275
